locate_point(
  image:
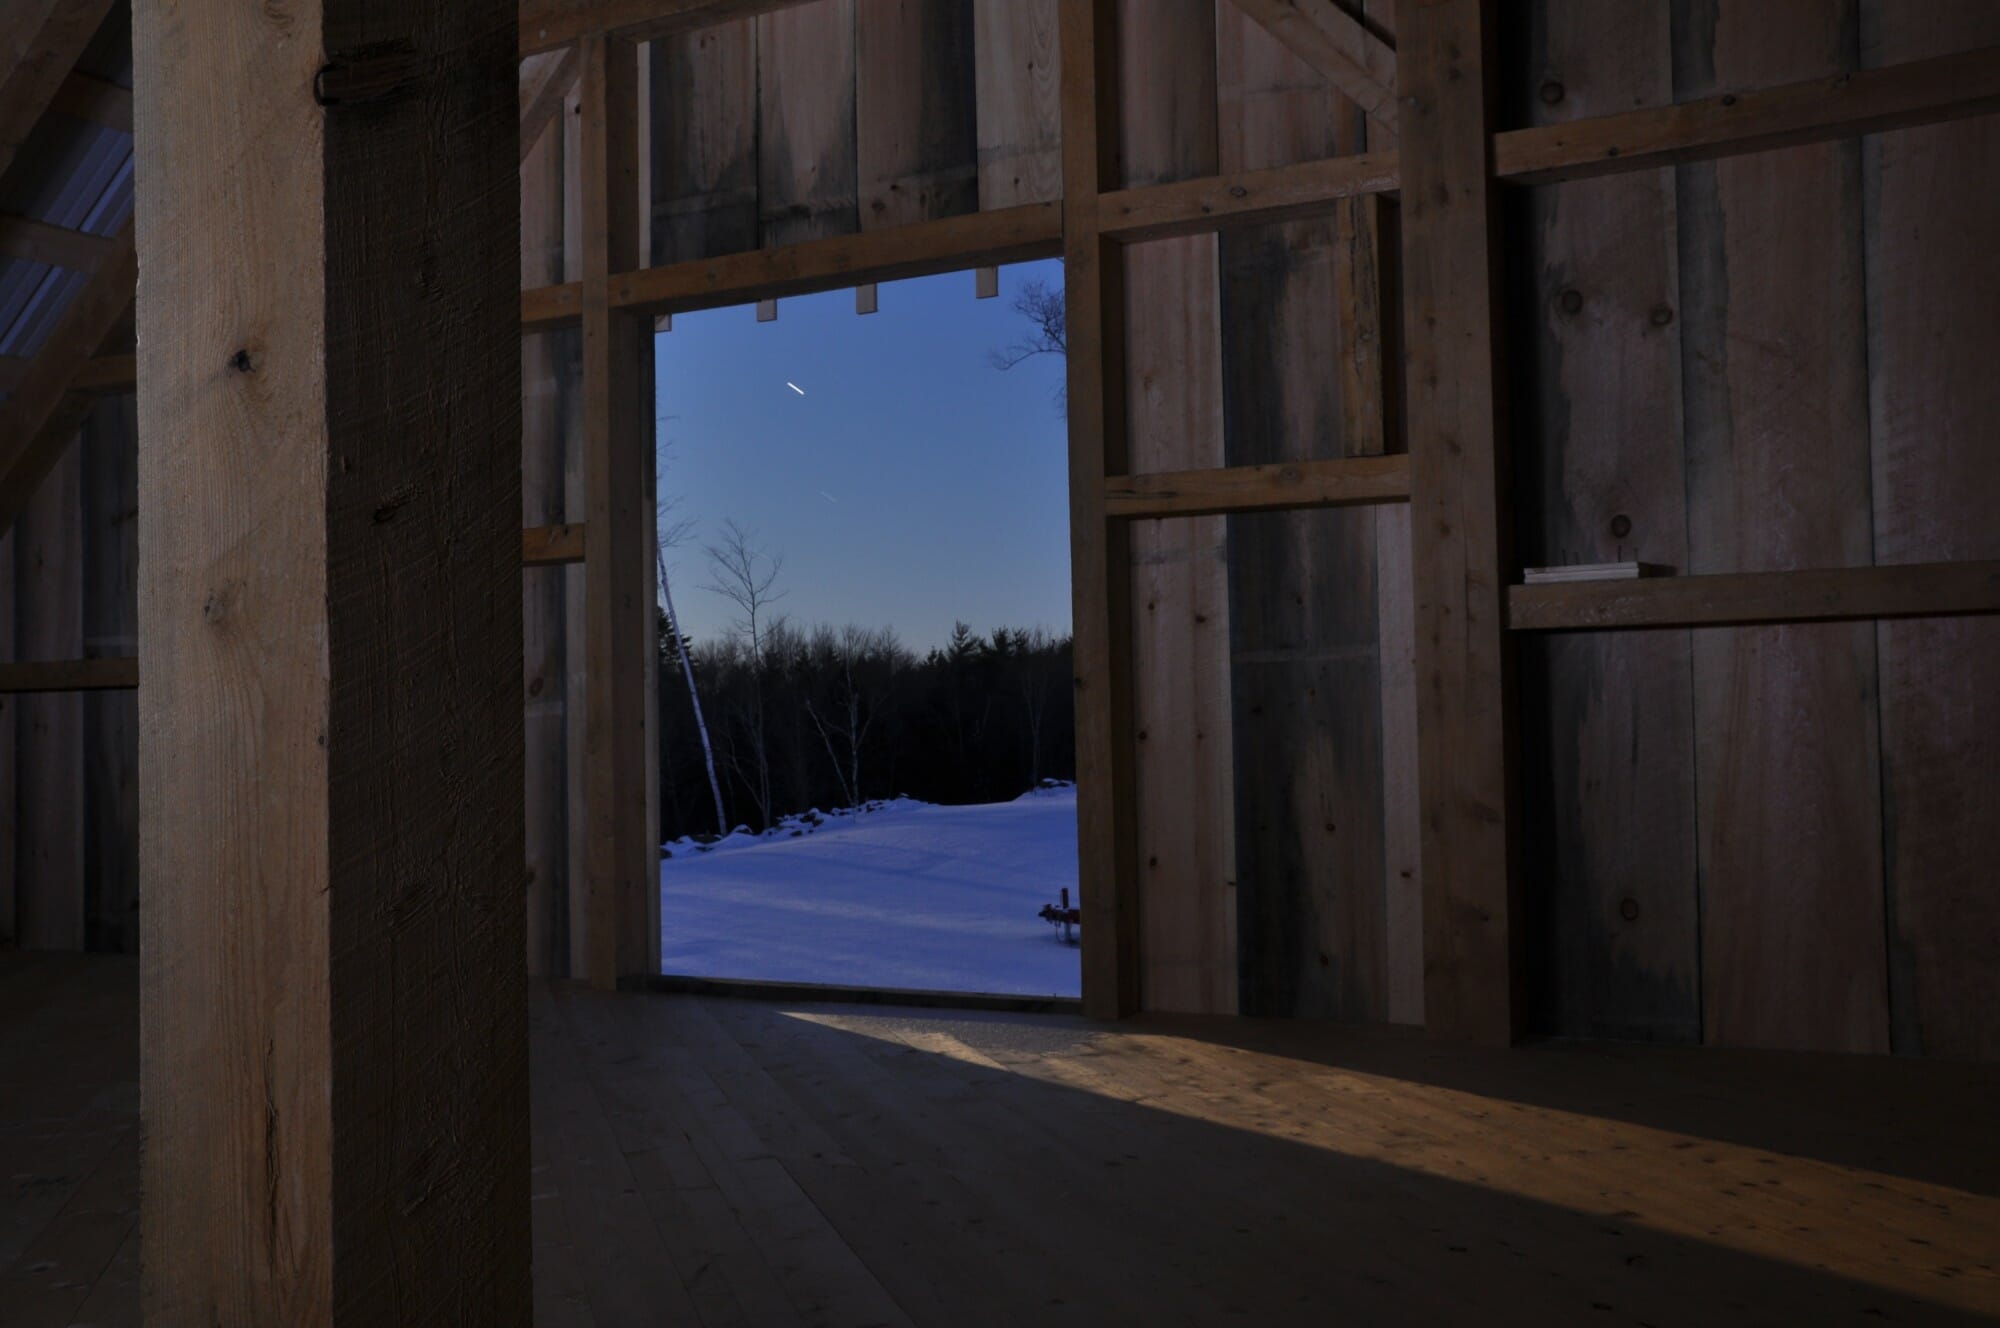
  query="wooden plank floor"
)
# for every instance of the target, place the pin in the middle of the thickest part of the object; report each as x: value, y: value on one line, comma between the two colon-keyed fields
x: 707, y: 1161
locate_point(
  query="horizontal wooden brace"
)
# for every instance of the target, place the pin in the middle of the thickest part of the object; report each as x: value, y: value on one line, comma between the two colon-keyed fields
x: 552, y: 546
x: 70, y: 675
x: 39, y: 242
x: 1193, y: 207
x: 1339, y: 482
x: 1866, y: 101
x: 104, y: 373
x: 1910, y: 590
x: 547, y: 24
x: 977, y: 239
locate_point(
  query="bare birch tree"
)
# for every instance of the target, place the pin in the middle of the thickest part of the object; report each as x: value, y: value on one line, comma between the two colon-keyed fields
x: 747, y: 577
x: 671, y: 536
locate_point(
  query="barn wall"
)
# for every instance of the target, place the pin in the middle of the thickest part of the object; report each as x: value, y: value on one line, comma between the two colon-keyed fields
x: 1755, y: 836
x: 68, y: 762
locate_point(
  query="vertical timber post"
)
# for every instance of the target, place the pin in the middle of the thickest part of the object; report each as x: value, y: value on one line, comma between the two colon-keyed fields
x: 1100, y: 549
x: 1458, y: 529
x: 622, y: 865
x: 334, y: 1023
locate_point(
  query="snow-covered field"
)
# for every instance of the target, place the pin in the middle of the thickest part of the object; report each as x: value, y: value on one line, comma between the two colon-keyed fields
x: 902, y: 894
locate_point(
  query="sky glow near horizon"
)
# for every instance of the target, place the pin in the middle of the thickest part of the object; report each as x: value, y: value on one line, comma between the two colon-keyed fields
x: 906, y: 482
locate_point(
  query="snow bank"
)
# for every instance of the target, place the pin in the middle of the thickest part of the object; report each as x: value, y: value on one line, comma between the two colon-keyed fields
x: 895, y: 894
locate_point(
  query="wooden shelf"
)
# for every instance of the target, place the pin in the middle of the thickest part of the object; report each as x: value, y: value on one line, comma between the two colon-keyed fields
x: 1915, y: 590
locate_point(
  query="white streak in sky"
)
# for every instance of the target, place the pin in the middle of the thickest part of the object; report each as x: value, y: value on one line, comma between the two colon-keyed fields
x: 829, y: 497
x: 796, y: 388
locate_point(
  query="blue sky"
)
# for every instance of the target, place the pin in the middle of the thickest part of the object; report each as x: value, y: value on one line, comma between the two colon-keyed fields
x: 912, y: 484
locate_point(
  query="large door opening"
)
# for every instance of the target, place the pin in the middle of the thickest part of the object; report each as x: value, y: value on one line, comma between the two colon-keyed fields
x: 866, y: 740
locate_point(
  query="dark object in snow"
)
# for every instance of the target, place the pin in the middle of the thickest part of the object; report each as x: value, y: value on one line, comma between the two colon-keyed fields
x: 1063, y: 918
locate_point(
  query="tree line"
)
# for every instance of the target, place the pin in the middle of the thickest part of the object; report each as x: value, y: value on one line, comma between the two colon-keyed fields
x: 772, y: 718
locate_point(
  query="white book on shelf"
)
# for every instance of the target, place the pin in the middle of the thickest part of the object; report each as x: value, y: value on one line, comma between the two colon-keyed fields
x: 1540, y: 576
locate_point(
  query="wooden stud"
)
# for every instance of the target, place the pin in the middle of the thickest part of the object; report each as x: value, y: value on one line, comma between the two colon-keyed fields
x: 1472, y: 987
x: 865, y: 299
x: 1100, y: 550
x: 767, y: 311
x: 986, y: 283
x: 622, y: 885
x: 331, y: 770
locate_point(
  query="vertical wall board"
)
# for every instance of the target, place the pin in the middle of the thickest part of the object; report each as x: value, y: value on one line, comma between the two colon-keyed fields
x: 704, y: 148
x: 1608, y: 780
x: 542, y: 617
x: 1401, y: 833
x: 566, y: 349
x: 10, y: 834
x: 109, y: 475
x: 1934, y: 284
x: 1180, y: 628
x: 49, y: 901
x: 1311, y: 871
x: 1180, y: 621
x: 806, y: 183
x: 916, y: 138
x: 1775, y: 381
x: 1016, y: 66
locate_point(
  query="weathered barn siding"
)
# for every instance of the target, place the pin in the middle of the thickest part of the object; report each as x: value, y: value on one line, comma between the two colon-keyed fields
x: 1769, y: 836
x: 108, y: 490
x: 1930, y: 214
x: 846, y: 115
x: 48, y: 569
x: 1607, y: 719
x: 1180, y: 609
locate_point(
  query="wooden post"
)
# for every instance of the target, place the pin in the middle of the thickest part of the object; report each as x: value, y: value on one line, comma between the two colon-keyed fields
x: 1100, y: 550
x: 334, y: 1045
x: 1458, y: 556
x: 622, y: 865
